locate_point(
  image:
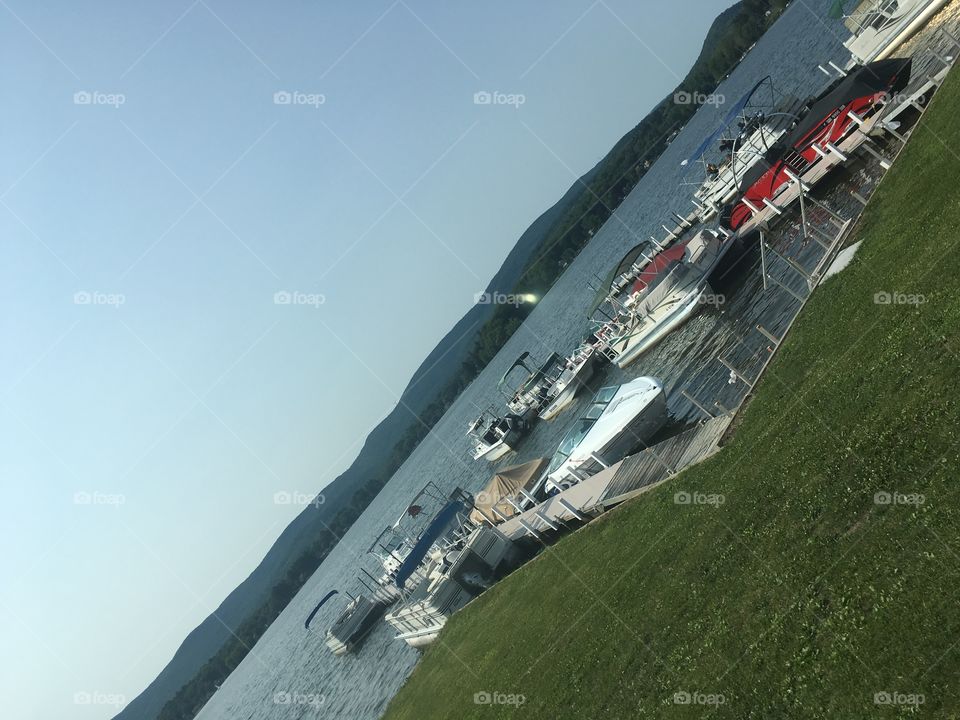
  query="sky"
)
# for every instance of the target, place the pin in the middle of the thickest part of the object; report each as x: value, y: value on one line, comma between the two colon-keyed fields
x: 231, y: 231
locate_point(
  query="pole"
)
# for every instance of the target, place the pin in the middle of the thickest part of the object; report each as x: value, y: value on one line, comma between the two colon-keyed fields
x: 697, y: 405
x: 736, y: 372
x: 763, y: 260
x: 768, y: 335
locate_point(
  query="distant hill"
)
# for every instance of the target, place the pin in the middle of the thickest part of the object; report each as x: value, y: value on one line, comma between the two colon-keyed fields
x: 719, y: 31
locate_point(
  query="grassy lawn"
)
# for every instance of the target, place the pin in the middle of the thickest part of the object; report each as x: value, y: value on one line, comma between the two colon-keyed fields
x: 800, y: 595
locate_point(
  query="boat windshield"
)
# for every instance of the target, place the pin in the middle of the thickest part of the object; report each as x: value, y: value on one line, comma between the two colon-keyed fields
x: 581, y: 427
x: 574, y: 437
x: 605, y: 395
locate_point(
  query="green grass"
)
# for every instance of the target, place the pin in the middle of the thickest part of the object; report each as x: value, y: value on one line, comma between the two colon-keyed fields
x: 799, y: 596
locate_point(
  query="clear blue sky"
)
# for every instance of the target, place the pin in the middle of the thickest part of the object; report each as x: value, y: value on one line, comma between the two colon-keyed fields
x: 153, y: 200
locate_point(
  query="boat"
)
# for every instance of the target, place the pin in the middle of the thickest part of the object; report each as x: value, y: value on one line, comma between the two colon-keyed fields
x: 666, y: 294
x: 834, y: 115
x: 508, y: 492
x: 493, y: 436
x: 620, y: 419
x: 574, y: 374
x: 749, y: 129
x: 879, y: 27
x: 624, y: 274
x: 390, y: 548
x: 533, y: 394
x: 454, y: 562
x: 353, y: 624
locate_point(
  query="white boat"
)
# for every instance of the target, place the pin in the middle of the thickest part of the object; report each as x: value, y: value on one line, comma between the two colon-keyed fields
x: 620, y: 418
x: 493, y: 437
x: 751, y: 127
x: 672, y: 290
x: 577, y: 371
x: 533, y: 394
x: 723, y: 181
x: 879, y: 27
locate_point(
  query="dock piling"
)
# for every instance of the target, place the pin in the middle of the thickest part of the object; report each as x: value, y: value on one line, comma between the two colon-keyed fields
x: 736, y: 373
x: 696, y: 404
x: 768, y: 335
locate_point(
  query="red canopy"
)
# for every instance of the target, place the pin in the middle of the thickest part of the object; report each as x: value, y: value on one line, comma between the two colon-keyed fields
x: 656, y: 266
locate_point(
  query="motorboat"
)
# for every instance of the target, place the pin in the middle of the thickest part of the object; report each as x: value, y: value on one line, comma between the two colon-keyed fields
x: 879, y: 27
x: 620, y: 419
x: 839, y: 111
x: 748, y: 130
x: 353, y: 624
x: 493, y: 436
x: 666, y: 295
x: 624, y: 274
x: 510, y: 491
x: 536, y: 389
x: 574, y: 374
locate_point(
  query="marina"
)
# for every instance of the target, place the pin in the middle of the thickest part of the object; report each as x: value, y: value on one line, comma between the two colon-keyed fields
x: 609, y: 455
x: 779, y: 265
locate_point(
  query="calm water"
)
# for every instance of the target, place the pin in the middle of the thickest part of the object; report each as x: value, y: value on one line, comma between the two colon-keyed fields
x: 289, y: 660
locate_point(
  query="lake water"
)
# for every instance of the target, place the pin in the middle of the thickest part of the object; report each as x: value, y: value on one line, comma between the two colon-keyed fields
x: 290, y: 674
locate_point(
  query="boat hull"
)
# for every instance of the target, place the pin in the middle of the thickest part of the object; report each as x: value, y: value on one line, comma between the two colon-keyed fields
x: 495, y: 453
x: 646, y: 339
x: 830, y: 120
x: 871, y: 45
x: 353, y: 626
x: 566, y: 396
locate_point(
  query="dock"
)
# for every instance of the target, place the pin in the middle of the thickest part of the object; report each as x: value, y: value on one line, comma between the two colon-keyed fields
x: 631, y: 476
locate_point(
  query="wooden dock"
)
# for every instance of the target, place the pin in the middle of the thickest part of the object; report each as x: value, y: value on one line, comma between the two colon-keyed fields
x: 629, y: 477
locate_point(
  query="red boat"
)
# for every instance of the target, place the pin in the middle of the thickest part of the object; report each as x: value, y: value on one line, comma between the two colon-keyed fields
x: 827, y: 121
